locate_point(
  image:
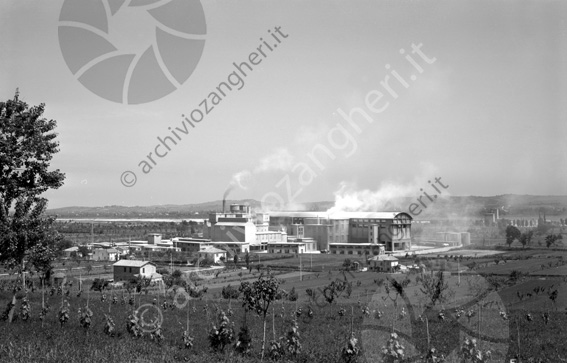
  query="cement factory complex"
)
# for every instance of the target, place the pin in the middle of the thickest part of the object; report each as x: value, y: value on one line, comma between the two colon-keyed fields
x: 240, y: 230
x: 376, y: 235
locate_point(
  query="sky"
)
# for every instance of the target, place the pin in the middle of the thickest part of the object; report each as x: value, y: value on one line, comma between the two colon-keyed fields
x: 360, y: 99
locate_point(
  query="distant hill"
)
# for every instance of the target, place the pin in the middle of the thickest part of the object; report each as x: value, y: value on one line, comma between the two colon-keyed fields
x: 510, y: 206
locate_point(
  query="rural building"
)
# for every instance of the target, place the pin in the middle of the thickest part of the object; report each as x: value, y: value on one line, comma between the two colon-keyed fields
x: 71, y: 252
x: 130, y: 269
x: 191, y: 244
x: 357, y: 249
x: 286, y: 247
x: 105, y: 254
x: 383, y: 263
x: 212, y: 253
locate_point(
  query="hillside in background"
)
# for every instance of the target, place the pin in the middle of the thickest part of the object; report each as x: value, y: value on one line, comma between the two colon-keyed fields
x: 510, y: 206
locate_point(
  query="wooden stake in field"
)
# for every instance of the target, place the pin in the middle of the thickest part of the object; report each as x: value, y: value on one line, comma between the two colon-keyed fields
x: 351, y: 318
x: 274, y: 321
x: 42, y: 299
x: 518, y: 329
x: 428, y: 338
x: 187, y: 318
x: 479, y: 340
x: 300, y: 277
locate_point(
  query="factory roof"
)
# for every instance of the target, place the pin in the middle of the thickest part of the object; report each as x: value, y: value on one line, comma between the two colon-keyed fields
x: 132, y: 263
x: 382, y: 258
x: 234, y: 224
x: 212, y: 249
x: 338, y: 215
x: 350, y: 244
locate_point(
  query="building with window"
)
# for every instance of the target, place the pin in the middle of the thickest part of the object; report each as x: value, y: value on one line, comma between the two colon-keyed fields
x: 105, y: 254
x: 383, y: 263
x: 212, y: 253
x: 241, y: 230
x: 357, y: 249
x: 129, y: 269
x: 391, y: 229
x: 286, y: 247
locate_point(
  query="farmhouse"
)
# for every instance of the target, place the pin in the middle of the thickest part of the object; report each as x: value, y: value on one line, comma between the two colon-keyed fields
x: 130, y: 269
x: 383, y: 263
x: 105, y: 254
x: 212, y: 253
x: 286, y: 247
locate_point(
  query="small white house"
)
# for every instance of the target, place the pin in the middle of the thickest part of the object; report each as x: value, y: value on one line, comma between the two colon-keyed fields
x: 105, y: 254
x: 212, y: 253
x: 130, y: 269
x: 383, y: 263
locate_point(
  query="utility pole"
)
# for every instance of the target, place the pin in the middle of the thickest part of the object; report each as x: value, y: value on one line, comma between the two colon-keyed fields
x: 459, y: 270
x: 300, y: 277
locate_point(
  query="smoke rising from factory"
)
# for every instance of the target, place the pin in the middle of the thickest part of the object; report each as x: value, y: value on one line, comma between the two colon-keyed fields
x: 424, y: 190
x: 279, y: 160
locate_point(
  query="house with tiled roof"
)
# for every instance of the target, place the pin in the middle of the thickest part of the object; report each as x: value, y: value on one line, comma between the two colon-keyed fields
x: 383, y: 263
x: 212, y: 253
x: 125, y: 270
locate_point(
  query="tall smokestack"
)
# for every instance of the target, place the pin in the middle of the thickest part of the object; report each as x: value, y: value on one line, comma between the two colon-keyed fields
x: 226, y: 193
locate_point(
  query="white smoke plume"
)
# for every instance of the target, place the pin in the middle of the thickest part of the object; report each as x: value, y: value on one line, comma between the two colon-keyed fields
x: 279, y: 160
x: 349, y: 199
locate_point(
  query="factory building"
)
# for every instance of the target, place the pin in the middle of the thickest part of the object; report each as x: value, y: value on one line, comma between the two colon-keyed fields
x: 335, y: 231
x: 239, y: 230
x: 362, y: 233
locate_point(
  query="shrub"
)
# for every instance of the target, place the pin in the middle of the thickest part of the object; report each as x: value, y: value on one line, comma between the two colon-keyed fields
x: 292, y: 295
x: 223, y: 335
x: 230, y: 292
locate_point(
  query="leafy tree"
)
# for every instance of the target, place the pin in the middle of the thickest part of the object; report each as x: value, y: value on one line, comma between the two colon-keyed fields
x: 258, y: 296
x: 247, y: 260
x: 63, y: 244
x: 393, y: 351
x: 292, y: 296
x: 176, y: 274
x: 207, y: 261
x: 512, y: 233
x: 526, y: 238
x: 229, y: 292
x: 433, y: 286
x: 292, y: 339
x: 27, y: 145
x: 550, y: 239
x: 221, y: 334
x: 347, y: 263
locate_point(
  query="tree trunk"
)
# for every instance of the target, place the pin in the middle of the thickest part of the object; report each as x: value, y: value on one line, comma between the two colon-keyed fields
x: 264, y: 340
x: 12, y: 309
x: 23, y: 276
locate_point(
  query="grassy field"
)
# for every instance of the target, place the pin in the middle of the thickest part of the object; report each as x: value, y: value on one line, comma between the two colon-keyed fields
x: 498, y: 319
